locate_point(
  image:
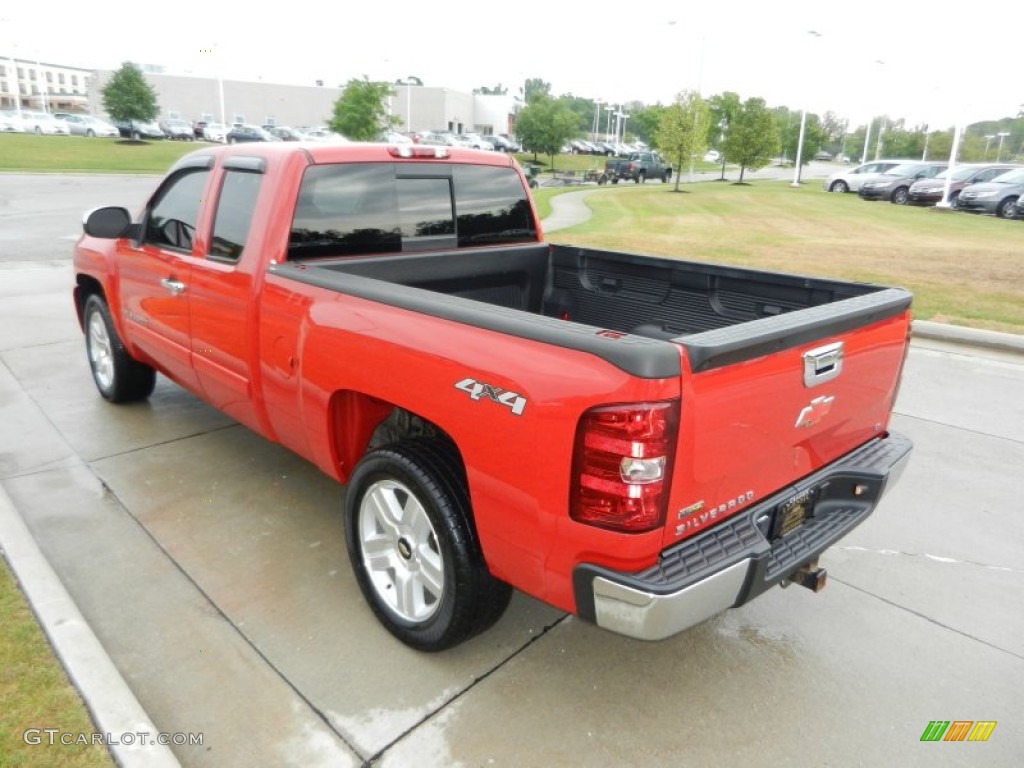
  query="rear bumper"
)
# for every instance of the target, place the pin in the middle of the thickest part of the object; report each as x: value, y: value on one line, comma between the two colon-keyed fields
x: 736, y: 561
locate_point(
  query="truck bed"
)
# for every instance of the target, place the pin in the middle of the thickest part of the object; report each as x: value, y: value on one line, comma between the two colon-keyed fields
x: 720, y: 314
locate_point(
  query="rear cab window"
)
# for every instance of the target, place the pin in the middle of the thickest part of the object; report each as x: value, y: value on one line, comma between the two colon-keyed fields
x: 350, y: 209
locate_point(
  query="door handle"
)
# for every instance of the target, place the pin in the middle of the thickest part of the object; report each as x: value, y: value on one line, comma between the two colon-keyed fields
x: 174, y: 286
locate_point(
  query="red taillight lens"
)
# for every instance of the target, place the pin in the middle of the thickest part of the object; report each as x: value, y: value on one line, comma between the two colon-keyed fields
x: 621, y: 465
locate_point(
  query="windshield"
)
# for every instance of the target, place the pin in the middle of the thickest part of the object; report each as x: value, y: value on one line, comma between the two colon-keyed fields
x: 960, y: 174
x: 1011, y: 177
x: 907, y: 169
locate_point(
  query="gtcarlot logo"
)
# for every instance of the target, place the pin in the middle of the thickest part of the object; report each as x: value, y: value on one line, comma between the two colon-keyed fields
x: 958, y: 730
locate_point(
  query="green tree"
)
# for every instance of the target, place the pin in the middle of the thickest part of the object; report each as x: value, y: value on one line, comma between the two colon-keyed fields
x: 645, y: 121
x: 127, y: 95
x: 361, y: 113
x: 725, y: 108
x: 545, y: 125
x: 535, y: 87
x: 788, y: 124
x: 753, y: 140
x: 683, y: 130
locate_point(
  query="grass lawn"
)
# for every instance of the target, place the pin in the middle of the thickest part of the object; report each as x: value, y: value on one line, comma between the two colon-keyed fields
x: 35, y: 692
x: 962, y: 268
x: 28, y: 152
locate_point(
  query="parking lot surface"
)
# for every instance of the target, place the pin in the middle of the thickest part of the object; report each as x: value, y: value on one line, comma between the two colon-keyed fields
x: 211, y: 566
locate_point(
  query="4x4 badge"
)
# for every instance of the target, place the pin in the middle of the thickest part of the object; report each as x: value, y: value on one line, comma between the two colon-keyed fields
x: 477, y: 390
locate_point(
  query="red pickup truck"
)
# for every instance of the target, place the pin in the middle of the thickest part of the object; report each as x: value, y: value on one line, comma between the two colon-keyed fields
x: 641, y: 441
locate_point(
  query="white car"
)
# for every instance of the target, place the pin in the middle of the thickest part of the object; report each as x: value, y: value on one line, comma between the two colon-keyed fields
x: 478, y: 142
x: 216, y: 132
x: 11, y: 122
x: 851, y: 179
x: 326, y: 135
x: 44, y: 122
x: 87, y: 125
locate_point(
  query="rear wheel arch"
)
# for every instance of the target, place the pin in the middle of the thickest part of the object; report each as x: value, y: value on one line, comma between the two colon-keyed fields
x: 359, y: 423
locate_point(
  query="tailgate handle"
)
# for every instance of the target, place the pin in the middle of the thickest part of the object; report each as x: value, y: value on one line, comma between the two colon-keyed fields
x: 823, y: 364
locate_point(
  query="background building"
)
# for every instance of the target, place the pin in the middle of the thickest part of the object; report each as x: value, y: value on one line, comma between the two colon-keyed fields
x: 35, y: 85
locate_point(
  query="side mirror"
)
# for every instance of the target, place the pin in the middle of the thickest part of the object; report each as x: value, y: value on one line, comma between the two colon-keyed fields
x: 109, y: 223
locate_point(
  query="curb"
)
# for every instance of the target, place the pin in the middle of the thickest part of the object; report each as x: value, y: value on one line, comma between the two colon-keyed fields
x: 974, y: 337
x: 118, y: 715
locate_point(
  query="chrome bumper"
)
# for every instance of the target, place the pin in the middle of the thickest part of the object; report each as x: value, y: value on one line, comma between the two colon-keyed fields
x: 735, y: 561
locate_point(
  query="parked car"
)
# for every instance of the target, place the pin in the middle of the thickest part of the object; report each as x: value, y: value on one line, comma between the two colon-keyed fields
x: 139, y: 129
x: 44, y: 122
x: 285, y: 133
x: 178, y: 129
x: 325, y: 135
x: 11, y: 122
x: 217, y: 132
x: 999, y: 196
x: 87, y: 125
x: 244, y: 133
x: 500, y: 143
x: 823, y: 156
x: 849, y: 180
x: 199, y: 129
x: 476, y: 141
x: 930, y: 191
x: 712, y: 156
x: 894, y: 184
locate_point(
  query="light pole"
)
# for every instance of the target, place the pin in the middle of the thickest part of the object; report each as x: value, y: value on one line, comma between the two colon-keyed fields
x: 988, y: 141
x: 867, y: 134
x: 999, y: 152
x: 597, y: 117
x: 803, y: 127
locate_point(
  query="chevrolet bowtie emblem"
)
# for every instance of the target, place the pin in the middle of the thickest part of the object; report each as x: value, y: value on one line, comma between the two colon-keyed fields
x: 815, y: 412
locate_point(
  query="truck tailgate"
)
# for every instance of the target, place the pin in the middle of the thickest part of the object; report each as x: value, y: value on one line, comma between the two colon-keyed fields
x: 754, y: 420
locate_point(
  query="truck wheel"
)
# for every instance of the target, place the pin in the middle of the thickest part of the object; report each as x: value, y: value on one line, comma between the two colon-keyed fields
x: 640, y: 178
x: 615, y: 181
x: 118, y: 377
x: 840, y: 187
x: 413, y: 547
x: 667, y: 177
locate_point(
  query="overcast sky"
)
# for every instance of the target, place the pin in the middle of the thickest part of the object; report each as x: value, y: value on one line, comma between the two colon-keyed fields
x: 906, y: 58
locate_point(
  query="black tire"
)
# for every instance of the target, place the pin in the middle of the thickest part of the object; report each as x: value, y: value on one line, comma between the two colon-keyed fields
x: 640, y: 178
x: 118, y: 377
x: 667, y: 177
x: 90, y: 133
x: 954, y: 200
x: 431, y: 548
x: 1007, y: 209
x: 136, y: 136
x: 39, y: 131
x: 839, y: 187
x: 615, y: 181
x: 900, y: 195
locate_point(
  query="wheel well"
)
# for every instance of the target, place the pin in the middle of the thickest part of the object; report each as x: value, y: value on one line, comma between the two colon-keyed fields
x: 359, y: 422
x: 85, y: 286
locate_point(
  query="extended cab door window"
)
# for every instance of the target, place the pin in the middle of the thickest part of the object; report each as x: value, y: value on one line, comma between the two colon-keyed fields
x: 235, y: 207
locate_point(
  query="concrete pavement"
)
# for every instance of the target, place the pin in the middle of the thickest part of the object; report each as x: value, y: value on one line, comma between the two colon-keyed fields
x: 210, y: 567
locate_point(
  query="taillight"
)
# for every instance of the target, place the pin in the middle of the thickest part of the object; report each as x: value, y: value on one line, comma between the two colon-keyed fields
x: 621, y: 465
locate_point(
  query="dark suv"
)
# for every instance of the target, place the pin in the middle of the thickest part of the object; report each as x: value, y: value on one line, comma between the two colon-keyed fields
x: 894, y: 184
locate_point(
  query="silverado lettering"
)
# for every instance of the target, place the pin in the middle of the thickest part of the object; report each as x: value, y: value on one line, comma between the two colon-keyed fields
x: 332, y: 298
